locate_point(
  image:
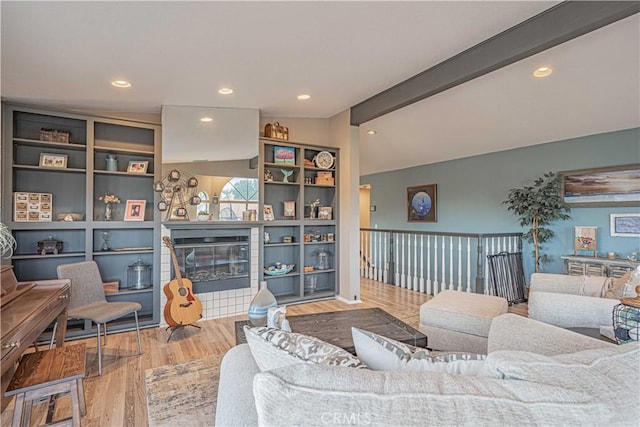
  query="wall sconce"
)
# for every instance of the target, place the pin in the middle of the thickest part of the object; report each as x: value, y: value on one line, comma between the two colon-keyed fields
x: 214, y: 199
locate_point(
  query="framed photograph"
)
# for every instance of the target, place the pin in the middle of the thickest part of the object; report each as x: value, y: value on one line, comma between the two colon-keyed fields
x: 325, y: 212
x: 284, y: 155
x: 162, y: 206
x: 422, y: 203
x: 625, y: 225
x: 586, y: 239
x: 135, y: 210
x: 289, y: 209
x: 268, y: 212
x: 138, y: 166
x: 610, y: 186
x: 54, y: 161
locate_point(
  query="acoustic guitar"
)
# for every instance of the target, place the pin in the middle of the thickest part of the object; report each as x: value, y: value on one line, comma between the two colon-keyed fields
x: 182, y: 308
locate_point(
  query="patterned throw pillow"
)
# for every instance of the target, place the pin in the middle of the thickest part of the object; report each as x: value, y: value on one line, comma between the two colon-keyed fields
x: 384, y: 354
x: 274, y: 348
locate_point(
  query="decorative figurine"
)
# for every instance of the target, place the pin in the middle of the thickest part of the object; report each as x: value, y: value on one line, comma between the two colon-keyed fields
x: 286, y: 174
x: 268, y: 176
x: 314, y: 207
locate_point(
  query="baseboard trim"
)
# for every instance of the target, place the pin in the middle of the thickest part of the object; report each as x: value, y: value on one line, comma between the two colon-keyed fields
x: 348, y: 301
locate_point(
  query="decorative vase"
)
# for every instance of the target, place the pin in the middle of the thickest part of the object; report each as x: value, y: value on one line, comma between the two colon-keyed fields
x: 260, y: 304
x: 111, y: 162
x: 106, y: 236
x: 108, y: 212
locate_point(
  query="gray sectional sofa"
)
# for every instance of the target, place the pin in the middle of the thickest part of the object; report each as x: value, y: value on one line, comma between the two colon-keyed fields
x: 536, y: 374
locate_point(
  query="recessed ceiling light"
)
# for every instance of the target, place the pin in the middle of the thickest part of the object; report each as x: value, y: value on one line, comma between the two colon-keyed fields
x: 225, y: 91
x: 121, y: 83
x: 371, y: 132
x: 304, y: 97
x: 542, y: 72
x: 206, y: 119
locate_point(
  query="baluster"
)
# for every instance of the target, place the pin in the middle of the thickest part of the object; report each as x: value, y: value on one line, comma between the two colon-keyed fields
x: 415, y: 262
x: 370, y: 271
x: 443, y: 282
x: 408, y: 283
x: 436, y: 288
x: 385, y: 271
x: 451, y: 284
x: 403, y: 277
x: 429, y: 289
x: 421, y: 282
x: 487, y: 291
x: 362, y: 253
x: 397, y: 266
x: 372, y: 261
x: 468, y: 264
x: 379, y: 250
x: 460, y: 263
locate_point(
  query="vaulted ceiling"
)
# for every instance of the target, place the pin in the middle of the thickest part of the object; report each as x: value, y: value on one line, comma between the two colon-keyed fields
x: 341, y: 53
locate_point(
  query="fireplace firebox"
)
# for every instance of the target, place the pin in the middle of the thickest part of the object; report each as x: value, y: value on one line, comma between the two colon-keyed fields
x: 214, y: 259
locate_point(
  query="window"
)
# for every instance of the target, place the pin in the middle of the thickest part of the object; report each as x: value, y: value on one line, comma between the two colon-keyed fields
x: 237, y: 196
x: 203, y: 207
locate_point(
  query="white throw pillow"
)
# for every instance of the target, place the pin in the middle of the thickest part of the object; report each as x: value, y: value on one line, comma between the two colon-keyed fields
x: 384, y: 354
x: 274, y: 348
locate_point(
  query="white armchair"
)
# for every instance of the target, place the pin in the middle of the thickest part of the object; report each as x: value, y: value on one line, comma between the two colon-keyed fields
x: 570, y: 301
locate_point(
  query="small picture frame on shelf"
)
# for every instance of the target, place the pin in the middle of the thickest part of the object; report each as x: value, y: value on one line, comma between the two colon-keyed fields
x: 135, y: 210
x: 289, y: 209
x: 267, y: 211
x: 284, y: 155
x: 138, y: 166
x: 325, y: 212
x: 53, y: 161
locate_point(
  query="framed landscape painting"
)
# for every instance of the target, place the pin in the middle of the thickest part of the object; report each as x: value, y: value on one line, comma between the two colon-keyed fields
x: 609, y: 186
x: 422, y: 203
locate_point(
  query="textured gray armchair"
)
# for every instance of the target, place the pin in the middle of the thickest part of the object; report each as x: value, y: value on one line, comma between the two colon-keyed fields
x: 88, y: 301
x: 570, y: 301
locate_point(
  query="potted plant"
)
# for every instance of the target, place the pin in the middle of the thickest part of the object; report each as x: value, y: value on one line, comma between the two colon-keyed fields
x: 537, y: 206
x: 203, y: 216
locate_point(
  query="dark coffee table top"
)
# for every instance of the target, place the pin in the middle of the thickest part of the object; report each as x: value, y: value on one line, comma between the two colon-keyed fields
x: 335, y: 327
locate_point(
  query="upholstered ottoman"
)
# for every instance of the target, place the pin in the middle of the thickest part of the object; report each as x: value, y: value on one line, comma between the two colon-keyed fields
x: 460, y: 321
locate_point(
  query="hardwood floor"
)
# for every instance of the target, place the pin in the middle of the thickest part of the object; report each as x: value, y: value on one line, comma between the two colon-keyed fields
x: 117, y: 398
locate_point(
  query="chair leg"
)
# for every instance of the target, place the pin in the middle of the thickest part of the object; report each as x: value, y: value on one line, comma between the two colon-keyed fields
x: 53, y: 335
x: 105, y: 333
x: 18, y: 410
x: 99, y: 351
x: 83, y: 403
x: 135, y: 313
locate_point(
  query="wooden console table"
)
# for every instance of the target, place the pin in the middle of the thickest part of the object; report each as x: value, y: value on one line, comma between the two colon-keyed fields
x: 594, y: 266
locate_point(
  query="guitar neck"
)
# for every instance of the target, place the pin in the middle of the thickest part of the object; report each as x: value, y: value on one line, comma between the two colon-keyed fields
x: 176, y: 266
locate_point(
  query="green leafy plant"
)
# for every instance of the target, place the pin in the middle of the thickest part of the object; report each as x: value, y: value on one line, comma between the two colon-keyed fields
x: 537, y: 206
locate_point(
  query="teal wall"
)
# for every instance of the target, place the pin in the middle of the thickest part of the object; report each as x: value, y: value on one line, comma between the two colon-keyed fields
x: 471, y: 191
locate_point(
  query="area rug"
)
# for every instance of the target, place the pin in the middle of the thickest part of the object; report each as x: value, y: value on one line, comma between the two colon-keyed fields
x: 184, y: 394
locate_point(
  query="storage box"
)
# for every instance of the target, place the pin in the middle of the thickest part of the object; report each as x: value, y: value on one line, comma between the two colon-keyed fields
x: 36, y: 207
x: 111, y: 287
x: 325, y: 178
x: 324, y: 181
x: 55, y: 135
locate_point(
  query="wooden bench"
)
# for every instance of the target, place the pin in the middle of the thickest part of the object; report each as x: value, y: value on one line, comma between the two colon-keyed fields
x: 45, y: 374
